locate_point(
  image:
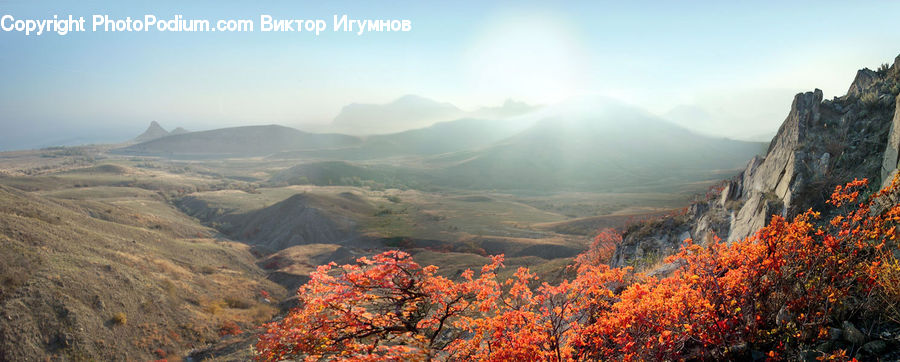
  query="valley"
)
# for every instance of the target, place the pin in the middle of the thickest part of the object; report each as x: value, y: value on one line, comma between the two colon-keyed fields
x: 180, y: 245
x: 154, y: 254
x: 450, y: 181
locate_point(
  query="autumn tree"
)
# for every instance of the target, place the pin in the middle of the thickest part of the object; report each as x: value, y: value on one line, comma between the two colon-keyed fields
x: 777, y: 291
x: 386, y: 307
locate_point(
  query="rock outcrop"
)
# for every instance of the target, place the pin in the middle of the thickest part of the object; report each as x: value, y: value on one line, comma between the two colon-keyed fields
x: 821, y: 144
x: 892, y: 151
x: 154, y: 131
x: 865, y: 78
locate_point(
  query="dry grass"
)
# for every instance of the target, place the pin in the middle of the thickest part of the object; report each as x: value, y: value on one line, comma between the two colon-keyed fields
x: 889, y: 280
x: 90, y: 272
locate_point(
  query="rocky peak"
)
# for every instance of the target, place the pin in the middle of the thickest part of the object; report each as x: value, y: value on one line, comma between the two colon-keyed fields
x: 820, y: 144
x: 895, y: 69
x: 778, y: 172
x: 864, y: 80
x: 153, y: 132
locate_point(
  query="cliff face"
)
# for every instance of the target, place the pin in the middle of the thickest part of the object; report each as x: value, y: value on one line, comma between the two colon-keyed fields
x: 820, y: 144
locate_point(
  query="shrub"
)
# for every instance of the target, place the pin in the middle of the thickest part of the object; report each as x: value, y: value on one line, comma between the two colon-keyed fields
x: 869, y: 99
x: 889, y: 281
x: 229, y: 328
x: 238, y: 303
x: 601, y: 249
x: 160, y: 353
x: 777, y: 291
x: 120, y: 318
x: 214, y: 307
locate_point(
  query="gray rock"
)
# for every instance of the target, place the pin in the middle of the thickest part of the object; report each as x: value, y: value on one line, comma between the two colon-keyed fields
x: 783, y: 317
x: 776, y: 176
x: 853, y: 335
x: 875, y: 347
x: 821, y: 167
x: 684, y: 236
x: 892, y: 151
x: 738, y: 348
x: 835, y: 334
x: 864, y: 80
x: 810, y: 354
x: 895, y: 69
x: 664, y: 270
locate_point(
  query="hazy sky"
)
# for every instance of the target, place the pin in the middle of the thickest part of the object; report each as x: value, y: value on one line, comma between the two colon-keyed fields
x: 738, y: 63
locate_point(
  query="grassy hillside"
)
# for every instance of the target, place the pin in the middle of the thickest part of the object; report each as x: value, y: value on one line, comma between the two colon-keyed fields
x: 341, y: 173
x: 112, y: 271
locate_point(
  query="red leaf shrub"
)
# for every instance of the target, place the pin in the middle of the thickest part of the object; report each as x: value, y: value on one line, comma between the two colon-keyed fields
x: 777, y: 292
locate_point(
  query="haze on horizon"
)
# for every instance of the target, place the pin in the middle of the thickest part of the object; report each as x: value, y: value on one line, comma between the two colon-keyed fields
x: 721, y: 69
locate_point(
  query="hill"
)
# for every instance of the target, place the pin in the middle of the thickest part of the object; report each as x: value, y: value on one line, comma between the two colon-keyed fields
x: 442, y: 137
x: 298, y: 220
x: 407, y: 112
x: 601, y: 145
x: 238, y: 142
x: 446, y: 137
x: 329, y: 173
x: 116, y: 273
x: 607, y: 145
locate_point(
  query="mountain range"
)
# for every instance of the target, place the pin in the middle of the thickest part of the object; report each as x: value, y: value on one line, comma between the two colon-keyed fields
x: 602, y: 144
x: 413, y: 112
x: 244, y: 141
x: 613, y: 145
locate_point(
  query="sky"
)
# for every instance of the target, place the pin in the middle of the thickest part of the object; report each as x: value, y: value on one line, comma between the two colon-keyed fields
x: 726, y: 68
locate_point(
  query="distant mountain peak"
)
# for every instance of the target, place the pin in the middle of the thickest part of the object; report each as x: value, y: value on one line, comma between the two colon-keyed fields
x: 407, y: 112
x: 412, y: 98
x: 153, y: 132
x: 412, y: 111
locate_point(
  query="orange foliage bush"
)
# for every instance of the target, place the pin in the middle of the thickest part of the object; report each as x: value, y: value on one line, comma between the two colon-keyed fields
x: 777, y: 291
x: 230, y: 328
x: 601, y: 249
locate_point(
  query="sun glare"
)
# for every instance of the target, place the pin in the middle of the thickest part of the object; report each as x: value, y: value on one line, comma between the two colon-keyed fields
x: 533, y: 58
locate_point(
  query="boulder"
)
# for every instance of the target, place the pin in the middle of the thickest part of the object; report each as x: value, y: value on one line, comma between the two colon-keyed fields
x: 852, y: 334
x: 875, y: 347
